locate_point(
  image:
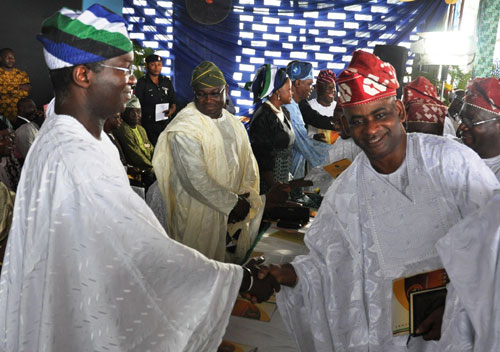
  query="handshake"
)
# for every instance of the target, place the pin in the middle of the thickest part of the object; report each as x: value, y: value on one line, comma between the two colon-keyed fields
x: 261, y: 281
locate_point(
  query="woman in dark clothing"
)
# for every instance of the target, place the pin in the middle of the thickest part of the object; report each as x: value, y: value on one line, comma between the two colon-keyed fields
x: 271, y: 133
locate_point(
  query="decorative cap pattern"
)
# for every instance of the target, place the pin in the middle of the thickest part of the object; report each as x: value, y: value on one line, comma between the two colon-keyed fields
x: 367, y: 78
x: 73, y: 38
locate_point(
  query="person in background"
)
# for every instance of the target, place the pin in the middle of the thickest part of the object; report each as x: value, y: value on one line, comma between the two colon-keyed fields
x: 10, y: 168
x: 6, y: 210
x: 111, y: 125
x: 304, y: 147
x: 87, y: 266
x: 153, y: 89
x: 26, y: 133
x: 207, y: 173
x: 271, y: 133
x: 14, y: 84
x: 318, y: 112
x: 26, y: 108
x: 343, y: 148
x: 425, y: 113
x: 452, y: 118
x: 134, y: 141
x: 380, y: 220
x: 480, y: 115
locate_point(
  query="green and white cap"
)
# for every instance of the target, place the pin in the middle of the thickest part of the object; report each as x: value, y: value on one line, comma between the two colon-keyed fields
x: 73, y: 38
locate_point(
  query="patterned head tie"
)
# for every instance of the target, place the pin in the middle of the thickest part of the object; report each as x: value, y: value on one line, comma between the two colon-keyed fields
x: 484, y: 94
x: 326, y: 76
x: 267, y: 80
x: 367, y: 78
x: 299, y: 70
x: 207, y: 75
x: 422, y: 104
x: 73, y: 38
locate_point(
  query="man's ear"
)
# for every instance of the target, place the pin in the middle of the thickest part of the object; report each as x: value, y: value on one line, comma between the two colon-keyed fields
x: 226, y: 93
x: 82, y: 75
x: 400, y: 110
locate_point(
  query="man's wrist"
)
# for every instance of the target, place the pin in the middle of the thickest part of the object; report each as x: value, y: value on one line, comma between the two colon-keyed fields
x: 247, y: 281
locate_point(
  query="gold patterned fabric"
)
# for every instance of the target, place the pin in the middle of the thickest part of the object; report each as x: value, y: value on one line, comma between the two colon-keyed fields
x: 10, y: 92
x: 6, y: 209
x: 207, y: 75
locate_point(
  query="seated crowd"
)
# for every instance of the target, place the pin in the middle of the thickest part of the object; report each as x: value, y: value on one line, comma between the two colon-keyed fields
x: 86, y: 253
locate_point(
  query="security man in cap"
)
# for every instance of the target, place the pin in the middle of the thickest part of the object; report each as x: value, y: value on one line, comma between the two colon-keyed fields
x: 153, y: 89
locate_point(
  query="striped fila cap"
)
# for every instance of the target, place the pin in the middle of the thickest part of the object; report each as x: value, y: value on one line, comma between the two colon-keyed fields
x: 72, y: 37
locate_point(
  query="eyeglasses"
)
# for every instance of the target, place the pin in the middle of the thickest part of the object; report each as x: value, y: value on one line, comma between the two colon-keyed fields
x: 129, y: 71
x: 467, y: 122
x: 200, y: 94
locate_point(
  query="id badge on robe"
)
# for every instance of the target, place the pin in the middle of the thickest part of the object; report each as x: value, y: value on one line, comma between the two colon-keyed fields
x: 159, y: 111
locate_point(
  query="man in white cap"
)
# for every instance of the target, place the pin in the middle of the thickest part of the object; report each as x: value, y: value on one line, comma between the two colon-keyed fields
x: 88, y: 267
x: 133, y: 138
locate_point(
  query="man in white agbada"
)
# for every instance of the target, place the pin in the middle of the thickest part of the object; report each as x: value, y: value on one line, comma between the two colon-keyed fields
x: 480, y: 114
x: 87, y: 266
x: 471, y: 255
x: 378, y: 221
x: 207, y: 173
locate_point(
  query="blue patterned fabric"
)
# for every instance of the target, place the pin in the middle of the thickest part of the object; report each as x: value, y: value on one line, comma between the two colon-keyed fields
x: 258, y: 32
x: 304, y: 148
x: 299, y: 70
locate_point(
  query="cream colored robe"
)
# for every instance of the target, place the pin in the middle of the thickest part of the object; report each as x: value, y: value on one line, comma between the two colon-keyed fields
x: 200, y: 186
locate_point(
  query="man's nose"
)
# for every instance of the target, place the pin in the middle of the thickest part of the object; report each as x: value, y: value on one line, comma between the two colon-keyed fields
x: 371, y: 127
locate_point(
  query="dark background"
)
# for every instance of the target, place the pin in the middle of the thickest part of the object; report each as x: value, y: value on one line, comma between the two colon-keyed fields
x: 20, y: 22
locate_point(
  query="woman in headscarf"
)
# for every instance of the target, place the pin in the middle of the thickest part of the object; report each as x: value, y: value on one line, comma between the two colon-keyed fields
x: 271, y: 133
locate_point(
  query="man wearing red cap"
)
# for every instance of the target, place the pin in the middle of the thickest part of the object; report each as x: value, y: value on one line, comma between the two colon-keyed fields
x: 379, y: 221
x: 480, y: 127
x: 424, y: 111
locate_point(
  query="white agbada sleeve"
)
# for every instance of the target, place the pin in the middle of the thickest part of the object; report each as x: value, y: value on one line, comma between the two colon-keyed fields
x: 88, y: 266
x: 471, y: 255
x: 188, y: 161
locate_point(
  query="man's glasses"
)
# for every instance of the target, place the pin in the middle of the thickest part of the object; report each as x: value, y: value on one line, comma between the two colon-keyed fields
x: 468, y: 122
x: 200, y: 94
x: 129, y: 71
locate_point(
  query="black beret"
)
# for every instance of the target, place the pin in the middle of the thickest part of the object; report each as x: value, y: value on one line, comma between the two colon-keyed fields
x: 153, y: 58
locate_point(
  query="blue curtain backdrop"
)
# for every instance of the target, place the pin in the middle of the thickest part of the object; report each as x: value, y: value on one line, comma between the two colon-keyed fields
x: 309, y: 27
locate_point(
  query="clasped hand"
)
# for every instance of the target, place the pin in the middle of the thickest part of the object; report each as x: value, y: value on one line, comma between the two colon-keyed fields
x: 261, y: 289
x: 268, y: 278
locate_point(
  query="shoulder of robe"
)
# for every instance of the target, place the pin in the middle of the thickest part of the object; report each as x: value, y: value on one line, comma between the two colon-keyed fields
x: 65, y: 142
